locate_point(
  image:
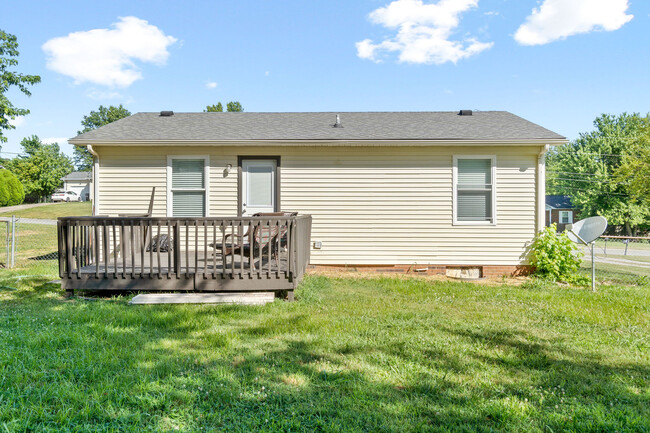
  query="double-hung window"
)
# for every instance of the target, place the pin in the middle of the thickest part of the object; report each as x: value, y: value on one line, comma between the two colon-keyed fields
x: 473, y: 182
x: 566, y: 217
x: 187, y: 180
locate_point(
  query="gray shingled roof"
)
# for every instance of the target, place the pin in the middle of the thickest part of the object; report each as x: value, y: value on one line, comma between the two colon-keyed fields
x: 483, y: 125
x: 559, y: 201
x: 78, y: 175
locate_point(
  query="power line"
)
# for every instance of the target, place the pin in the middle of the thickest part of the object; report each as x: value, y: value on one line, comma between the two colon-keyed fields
x: 582, y: 174
x: 610, y: 182
x: 591, y: 192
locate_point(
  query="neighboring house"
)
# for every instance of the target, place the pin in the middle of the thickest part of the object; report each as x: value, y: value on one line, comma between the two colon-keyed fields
x: 396, y: 190
x: 79, y: 182
x: 559, y: 210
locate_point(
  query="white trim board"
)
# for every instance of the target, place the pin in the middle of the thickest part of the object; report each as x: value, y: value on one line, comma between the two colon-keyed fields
x: 454, y: 184
x: 168, y: 186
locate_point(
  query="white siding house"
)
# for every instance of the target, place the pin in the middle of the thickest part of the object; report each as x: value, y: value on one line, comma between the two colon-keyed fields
x: 384, y: 189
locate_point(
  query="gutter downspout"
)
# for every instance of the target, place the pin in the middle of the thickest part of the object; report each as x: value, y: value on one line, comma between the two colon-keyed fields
x: 541, y: 188
x: 95, y: 178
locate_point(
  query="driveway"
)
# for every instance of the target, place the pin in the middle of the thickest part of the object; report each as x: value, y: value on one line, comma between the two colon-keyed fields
x: 22, y: 206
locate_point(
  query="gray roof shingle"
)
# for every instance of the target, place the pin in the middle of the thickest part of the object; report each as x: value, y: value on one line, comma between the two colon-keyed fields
x: 559, y: 201
x: 78, y: 175
x: 482, y: 125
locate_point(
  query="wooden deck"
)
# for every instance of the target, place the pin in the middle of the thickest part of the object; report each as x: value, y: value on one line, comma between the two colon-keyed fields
x: 98, y: 253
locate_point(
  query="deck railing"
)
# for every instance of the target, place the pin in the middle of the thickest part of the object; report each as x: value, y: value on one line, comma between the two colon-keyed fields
x: 202, y: 249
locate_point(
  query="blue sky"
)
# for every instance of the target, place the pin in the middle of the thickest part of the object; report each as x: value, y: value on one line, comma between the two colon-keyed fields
x: 559, y: 63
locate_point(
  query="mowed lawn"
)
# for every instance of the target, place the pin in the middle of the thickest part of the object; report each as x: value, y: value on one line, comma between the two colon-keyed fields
x: 352, y: 354
x: 52, y: 211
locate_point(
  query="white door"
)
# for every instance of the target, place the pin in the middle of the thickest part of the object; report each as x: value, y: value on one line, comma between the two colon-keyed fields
x: 258, y: 186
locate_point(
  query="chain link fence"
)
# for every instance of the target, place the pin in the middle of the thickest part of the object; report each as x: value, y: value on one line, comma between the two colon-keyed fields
x: 29, y: 243
x: 619, y: 260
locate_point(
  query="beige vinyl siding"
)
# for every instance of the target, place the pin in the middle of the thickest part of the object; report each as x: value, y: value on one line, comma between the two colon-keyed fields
x: 370, y: 205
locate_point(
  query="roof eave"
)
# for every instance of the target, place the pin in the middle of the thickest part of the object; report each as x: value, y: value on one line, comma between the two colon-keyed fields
x: 329, y: 142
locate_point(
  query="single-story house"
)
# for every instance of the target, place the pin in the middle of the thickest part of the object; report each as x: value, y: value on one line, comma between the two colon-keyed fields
x: 560, y: 210
x: 391, y: 190
x: 79, y: 182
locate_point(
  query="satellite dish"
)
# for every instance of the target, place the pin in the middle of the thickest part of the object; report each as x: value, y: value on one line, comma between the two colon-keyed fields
x: 587, y: 230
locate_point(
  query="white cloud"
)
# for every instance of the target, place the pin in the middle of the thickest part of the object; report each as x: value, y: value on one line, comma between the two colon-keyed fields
x: 52, y: 140
x: 559, y: 19
x: 107, y: 56
x: 267, y: 73
x: 18, y: 121
x: 423, y: 32
x: 211, y: 85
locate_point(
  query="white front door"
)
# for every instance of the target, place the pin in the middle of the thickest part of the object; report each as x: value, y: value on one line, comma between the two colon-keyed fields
x: 258, y: 193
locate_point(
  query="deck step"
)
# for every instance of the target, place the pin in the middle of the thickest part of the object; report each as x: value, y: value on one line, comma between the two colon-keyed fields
x: 239, y: 298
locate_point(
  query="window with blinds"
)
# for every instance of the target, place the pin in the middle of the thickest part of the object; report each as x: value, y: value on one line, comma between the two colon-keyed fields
x: 474, y: 190
x: 188, y: 187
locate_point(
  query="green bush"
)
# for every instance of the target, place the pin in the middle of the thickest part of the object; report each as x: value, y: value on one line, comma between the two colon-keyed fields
x: 11, y: 190
x: 555, y: 256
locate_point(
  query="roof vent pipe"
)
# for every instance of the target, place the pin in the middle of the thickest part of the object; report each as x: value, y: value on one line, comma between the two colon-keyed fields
x: 338, y: 123
x: 465, y: 113
x: 166, y: 113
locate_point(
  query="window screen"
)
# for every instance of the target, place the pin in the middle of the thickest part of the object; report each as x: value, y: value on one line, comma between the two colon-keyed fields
x: 474, y: 189
x: 566, y: 217
x: 188, y: 187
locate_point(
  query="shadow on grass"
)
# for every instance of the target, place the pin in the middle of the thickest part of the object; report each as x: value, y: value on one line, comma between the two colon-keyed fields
x: 105, y: 365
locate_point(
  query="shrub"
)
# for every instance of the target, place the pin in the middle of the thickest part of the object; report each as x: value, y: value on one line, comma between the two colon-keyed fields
x: 555, y: 256
x: 11, y: 190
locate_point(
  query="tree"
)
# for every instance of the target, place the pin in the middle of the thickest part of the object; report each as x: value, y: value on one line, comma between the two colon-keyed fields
x: 231, y: 107
x: 214, y: 108
x: 586, y: 169
x: 83, y: 159
x: 8, y: 54
x: 234, y: 107
x: 41, y: 167
x: 635, y: 165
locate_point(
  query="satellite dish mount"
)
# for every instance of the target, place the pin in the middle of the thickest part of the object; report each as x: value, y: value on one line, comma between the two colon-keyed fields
x: 586, y: 232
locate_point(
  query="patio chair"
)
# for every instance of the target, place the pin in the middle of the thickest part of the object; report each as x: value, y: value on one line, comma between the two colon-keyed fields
x: 262, y: 239
x: 149, y: 212
x: 147, y: 241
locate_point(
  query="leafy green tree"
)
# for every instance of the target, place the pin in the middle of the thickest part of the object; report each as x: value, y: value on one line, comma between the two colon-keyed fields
x: 214, y: 108
x: 83, y: 159
x: 8, y: 58
x: 31, y: 144
x: 231, y: 107
x: 586, y: 170
x: 635, y: 165
x: 11, y: 190
x: 234, y: 106
x: 41, y: 167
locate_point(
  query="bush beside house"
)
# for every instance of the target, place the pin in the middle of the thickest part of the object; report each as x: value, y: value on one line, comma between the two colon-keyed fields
x: 11, y: 190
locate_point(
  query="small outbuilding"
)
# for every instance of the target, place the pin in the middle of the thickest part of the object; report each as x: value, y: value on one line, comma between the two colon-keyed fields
x: 79, y: 182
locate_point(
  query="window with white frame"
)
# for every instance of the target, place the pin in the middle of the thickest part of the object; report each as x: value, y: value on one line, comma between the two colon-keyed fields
x: 474, y: 199
x: 187, y: 186
x: 566, y: 217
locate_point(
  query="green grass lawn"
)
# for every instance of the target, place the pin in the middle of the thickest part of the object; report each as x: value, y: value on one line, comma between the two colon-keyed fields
x: 53, y: 211
x: 380, y: 354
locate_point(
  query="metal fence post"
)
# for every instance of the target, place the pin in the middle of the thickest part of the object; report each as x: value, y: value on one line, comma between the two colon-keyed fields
x: 7, y: 248
x: 12, y: 263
